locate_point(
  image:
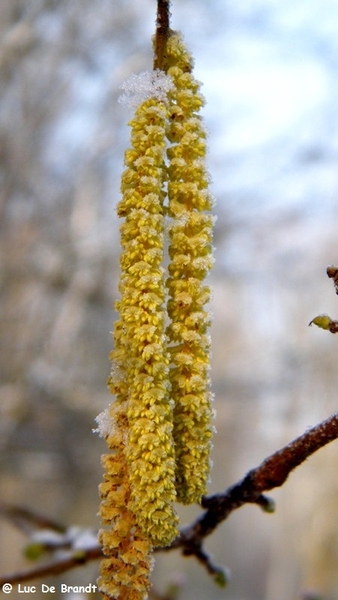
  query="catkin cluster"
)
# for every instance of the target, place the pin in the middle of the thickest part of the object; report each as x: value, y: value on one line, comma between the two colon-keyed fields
x: 158, y: 428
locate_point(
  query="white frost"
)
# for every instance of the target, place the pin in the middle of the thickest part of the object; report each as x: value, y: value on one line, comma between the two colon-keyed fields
x: 82, y: 539
x: 150, y: 84
x: 105, y: 424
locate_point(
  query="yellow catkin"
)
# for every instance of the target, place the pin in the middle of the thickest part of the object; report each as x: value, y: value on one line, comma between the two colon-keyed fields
x: 158, y: 429
x: 124, y: 572
x: 190, y: 251
x: 138, y: 490
x: 149, y: 445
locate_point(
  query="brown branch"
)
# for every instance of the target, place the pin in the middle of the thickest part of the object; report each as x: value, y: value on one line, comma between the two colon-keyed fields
x: 271, y: 473
x: 28, y: 521
x: 162, y: 33
x: 54, y: 567
x: 324, y: 321
x: 332, y: 273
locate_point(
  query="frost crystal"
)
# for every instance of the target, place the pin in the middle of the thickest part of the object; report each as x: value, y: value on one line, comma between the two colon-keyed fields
x: 105, y: 424
x: 81, y: 538
x: 150, y: 84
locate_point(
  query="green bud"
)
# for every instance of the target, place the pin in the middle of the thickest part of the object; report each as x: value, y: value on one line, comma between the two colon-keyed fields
x: 34, y: 551
x: 322, y: 321
x: 221, y: 577
x: 269, y: 506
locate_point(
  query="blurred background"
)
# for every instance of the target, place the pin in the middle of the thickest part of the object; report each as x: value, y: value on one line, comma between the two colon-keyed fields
x: 269, y: 69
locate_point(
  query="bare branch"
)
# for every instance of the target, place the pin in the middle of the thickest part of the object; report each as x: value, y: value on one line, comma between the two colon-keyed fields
x: 162, y: 32
x: 54, y: 567
x: 271, y: 473
x: 28, y: 521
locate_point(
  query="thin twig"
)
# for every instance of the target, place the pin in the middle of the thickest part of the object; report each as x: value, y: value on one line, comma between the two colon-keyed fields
x: 162, y: 33
x: 57, y: 566
x: 271, y: 473
x: 28, y: 521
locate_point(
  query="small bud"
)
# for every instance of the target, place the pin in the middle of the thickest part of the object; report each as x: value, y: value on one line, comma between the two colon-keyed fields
x: 269, y: 506
x: 34, y: 550
x: 322, y: 321
x: 221, y: 577
x: 332, y: 271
